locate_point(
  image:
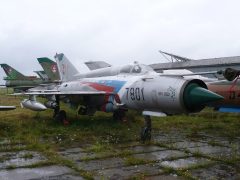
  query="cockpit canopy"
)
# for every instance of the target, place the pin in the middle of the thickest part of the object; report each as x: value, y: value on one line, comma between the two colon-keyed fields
x: 136, y: 69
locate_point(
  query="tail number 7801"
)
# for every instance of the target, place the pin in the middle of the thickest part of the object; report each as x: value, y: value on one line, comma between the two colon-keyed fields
x: 135, y: 94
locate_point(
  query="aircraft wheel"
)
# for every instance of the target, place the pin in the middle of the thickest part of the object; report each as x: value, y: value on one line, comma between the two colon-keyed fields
x: 62, y: 117
x: 82, y: 111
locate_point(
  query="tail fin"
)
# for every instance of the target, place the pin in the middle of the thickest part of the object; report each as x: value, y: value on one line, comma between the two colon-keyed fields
x: 67, y: 71
x: 50, y: 68
x: 12, y: 73
x: 42, y: 75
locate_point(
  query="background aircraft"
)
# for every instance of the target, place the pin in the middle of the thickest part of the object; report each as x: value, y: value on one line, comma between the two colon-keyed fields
x: 229, y: 90
x: 21, y: 82
x: 132, y: 87
x: 17, y: 80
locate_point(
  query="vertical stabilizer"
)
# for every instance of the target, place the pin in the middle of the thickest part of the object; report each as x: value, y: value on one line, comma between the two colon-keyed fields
x: 50, y: 68
x: 67, y: 71
x: 12, y: 73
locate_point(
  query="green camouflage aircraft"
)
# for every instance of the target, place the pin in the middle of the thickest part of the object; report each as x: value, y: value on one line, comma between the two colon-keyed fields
x: 17, y: 80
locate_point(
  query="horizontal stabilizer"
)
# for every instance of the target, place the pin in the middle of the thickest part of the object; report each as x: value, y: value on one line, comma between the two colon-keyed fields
x: 93, y: 65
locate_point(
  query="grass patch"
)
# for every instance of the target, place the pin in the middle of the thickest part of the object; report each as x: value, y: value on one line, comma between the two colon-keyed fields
x: 130, y: 161
x: 27, y: 156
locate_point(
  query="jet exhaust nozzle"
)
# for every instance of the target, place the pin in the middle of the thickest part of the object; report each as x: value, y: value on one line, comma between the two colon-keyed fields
x: 33, y: 105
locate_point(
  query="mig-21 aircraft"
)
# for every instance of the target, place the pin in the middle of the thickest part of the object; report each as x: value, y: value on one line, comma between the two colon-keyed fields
x: 116, y: 89
x: 17, y: 80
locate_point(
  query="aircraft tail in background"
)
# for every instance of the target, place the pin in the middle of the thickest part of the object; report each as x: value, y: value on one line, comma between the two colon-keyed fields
x: 50, y: 68
x: 67, y: 71
x: 12, y: 73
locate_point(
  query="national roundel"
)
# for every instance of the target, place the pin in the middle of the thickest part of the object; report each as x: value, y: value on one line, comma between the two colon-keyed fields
x: 54, y: 68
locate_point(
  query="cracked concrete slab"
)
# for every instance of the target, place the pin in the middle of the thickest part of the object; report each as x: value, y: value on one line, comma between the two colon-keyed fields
x: 185, y: 163
x: 101, y: 164
x: 145, y: 148
x: 48, y: 172
x: 19, y: 159
x: 129, y: 171
x: 109, y: 165
x: 164, y: 177
x: 211, y: 150
x: 160, y: 155
x: 188, y: 144
x: 218, y: 171
x: 77, y: 154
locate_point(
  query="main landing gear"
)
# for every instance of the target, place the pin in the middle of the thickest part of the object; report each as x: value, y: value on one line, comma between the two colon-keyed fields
x: 60, y: 115
x: 147, y: 129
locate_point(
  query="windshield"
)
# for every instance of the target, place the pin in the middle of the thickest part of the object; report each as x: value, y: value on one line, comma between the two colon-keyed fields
x: 126, y: 69
x: 136, y: 69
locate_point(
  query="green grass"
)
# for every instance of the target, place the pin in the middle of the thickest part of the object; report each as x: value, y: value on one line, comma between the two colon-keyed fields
x: 130, y: 161
x: 100, y: 134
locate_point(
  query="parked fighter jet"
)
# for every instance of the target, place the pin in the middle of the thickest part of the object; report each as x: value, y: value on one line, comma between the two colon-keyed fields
x: 132, y: 87
x: 229, y: 90
x: 17, y: 80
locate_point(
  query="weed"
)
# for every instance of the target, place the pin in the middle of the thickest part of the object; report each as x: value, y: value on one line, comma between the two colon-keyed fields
x: 11, y: 167
x: 27, y: 156
x: 129, y: 161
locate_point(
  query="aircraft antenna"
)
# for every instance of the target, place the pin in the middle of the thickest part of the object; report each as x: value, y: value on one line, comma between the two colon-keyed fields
x: 174, y: 58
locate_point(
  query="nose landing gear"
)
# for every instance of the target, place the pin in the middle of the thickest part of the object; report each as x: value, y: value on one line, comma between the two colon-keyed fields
x: 146, y: 130
x: 60, y: 115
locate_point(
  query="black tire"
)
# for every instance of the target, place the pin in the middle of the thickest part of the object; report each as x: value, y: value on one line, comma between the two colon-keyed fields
x: 61, y: 116
x: 82, y: 111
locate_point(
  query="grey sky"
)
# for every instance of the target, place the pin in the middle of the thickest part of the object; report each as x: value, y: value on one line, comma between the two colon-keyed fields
x: 117, y: 31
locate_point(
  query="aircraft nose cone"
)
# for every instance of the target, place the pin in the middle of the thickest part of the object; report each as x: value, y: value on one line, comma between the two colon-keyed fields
x: 196, y: 97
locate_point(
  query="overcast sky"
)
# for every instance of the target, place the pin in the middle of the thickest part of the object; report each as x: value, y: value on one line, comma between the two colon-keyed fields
x: 117, y: 31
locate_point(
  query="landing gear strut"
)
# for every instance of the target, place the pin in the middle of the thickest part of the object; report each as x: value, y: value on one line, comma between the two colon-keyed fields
x: 147, y: 129
x: 57, y: 108
x: 60, y: 115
